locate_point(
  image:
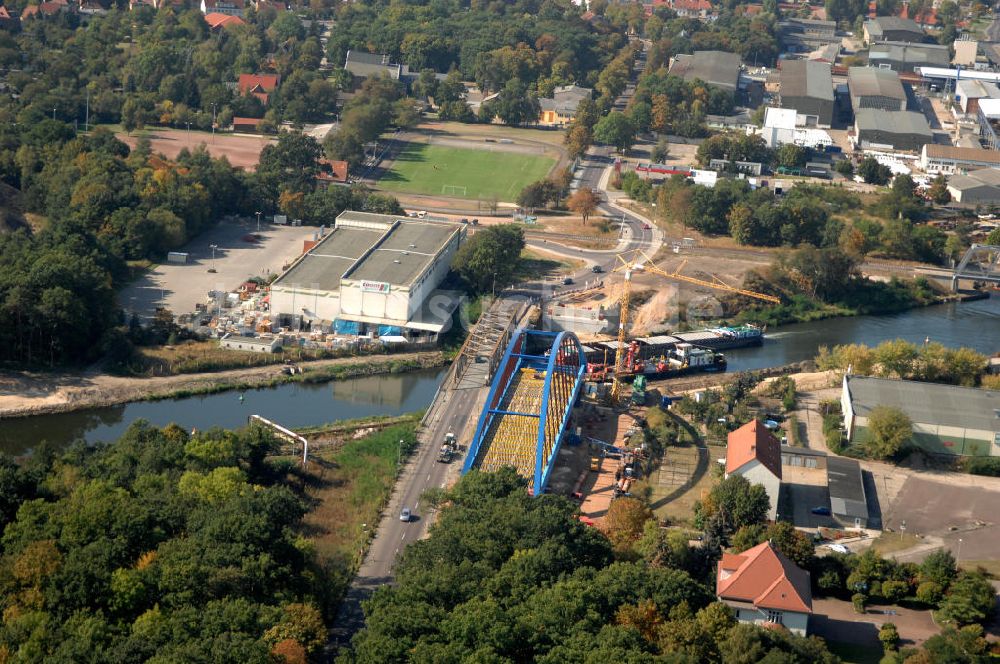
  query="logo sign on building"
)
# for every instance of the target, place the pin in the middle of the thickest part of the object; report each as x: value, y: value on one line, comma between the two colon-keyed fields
x: 375, y: 287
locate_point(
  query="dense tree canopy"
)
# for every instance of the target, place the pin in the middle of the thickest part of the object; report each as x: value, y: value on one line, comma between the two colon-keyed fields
x: 160, y: 547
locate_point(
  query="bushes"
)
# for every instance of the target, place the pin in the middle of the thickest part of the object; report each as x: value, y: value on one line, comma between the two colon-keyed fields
x: 989, y: 466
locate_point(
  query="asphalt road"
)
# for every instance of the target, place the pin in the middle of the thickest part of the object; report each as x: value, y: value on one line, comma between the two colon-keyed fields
x: 422, y: 472
x: 993, y: 31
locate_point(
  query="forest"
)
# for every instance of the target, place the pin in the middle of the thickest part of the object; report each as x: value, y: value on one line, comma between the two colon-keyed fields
x: 162, y: 547
x: 506, y: 577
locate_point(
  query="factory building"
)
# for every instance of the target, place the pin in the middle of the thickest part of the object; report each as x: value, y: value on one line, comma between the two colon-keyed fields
x: 875, y: 88
x: 372, y: 274
x: 807, y: 86
x: 947, y: 419
x: 894, y: 130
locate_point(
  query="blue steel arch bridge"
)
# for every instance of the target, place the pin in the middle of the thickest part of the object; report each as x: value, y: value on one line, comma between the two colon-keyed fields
x: 528, y: 408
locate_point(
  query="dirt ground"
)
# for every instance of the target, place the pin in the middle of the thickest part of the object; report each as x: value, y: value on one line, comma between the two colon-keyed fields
x: 242, y: 150
x: 26, y: 393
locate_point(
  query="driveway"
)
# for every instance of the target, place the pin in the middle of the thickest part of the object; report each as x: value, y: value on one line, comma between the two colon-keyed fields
x: 835, y: 620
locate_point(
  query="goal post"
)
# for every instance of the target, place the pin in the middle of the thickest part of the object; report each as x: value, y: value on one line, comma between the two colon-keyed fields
x: 452, y: 190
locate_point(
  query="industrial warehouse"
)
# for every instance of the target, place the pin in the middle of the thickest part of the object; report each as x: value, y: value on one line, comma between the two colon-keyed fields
x: 947, y: 419
x: 372, y: 274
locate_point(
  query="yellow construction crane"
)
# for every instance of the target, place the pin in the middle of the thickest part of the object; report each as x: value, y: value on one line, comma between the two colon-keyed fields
x: 640, y: 262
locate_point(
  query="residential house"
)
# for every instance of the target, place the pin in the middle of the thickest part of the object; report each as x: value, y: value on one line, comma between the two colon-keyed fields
x: 231, y: 7
x: 753, y: 452
x: 951, y: 160
x: 331, y: 172
x: 807, y: 86
x: 560, y: 109
x: 893, y: 28
x: 136, y: 4
x: 50, y: 8
x: 218, y: 21
x: 764, y: 587
x: 719, y: 69
x: 264, y: 5
x: 363, y: 65
x: 895, y: 130
x: 875, y: 88
x: 8, y: 20
x: 258, y: 85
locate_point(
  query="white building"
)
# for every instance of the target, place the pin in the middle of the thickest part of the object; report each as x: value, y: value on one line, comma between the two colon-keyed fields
x: 755, y: 453
x: 251, y: 344
x: 950, y: 160
x: 373, y: 273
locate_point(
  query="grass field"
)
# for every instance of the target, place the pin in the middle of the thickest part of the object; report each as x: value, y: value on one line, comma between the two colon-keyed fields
x: 461, y: 173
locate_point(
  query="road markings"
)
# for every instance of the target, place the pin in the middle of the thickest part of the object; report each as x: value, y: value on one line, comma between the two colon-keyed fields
x: 401, y: 539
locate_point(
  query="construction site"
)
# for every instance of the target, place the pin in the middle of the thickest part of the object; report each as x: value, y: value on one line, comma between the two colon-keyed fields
x: 567, y: 411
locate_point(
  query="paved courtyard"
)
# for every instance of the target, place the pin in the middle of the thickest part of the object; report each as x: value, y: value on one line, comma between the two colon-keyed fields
x: 836, y: 620
x: 179, y: 287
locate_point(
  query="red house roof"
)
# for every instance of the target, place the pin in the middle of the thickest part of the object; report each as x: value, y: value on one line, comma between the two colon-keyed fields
x: 332, y: 171
x: 764, y: 577
x: 216, y: 20
x: 753, y: 441
x: 259, y: 85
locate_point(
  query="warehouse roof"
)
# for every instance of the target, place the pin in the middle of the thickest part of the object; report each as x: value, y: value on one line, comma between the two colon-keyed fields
x: 847, y: 491
x: 872, y: 82
x: 920, y: 54
x: 404, y: 252
x: 983, y: 177
x: 935, y: 151
x: 718, y: 68
x: 893, y: 122
x: 928, y: 403
x: 880, y: 24
x: 805, y: 78
x: 971, y: 88
x: 324, y: 264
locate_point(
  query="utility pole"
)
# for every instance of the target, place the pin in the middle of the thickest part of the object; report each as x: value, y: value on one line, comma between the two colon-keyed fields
x: 53, y: 112
x: 258, y: 221
x: 213, y: 247
x: 213, y: 122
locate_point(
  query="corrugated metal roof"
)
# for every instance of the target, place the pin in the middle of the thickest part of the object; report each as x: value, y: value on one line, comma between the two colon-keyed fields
x: 893, y: 122
x: 847, y: 491
x: 935, y: 151
x: 806, y: 78
x: 872, y: 82
x: 920, y: 54
x: 928, y: 403
x: 719, y: 68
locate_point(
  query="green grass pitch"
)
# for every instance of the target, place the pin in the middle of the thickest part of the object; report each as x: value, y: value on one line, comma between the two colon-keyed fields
x: 442, y: 171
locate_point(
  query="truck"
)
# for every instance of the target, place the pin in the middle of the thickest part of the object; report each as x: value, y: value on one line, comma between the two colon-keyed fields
x: 448, y: 448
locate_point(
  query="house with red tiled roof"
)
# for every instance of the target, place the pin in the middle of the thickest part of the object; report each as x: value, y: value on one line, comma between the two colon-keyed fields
x: 925, y: 18
x: 218, y: 21
x: 753, y: 452
x: 45, y: 8
x: 331, y: 172
x: 247, y: 125
x: 258, y: 85
x: 763, y: 587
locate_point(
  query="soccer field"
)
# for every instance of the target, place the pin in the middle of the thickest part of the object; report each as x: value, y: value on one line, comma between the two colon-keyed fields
x: 463, y: 173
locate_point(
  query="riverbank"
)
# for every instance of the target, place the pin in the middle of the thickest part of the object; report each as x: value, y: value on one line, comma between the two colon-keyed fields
x: 27, y: 394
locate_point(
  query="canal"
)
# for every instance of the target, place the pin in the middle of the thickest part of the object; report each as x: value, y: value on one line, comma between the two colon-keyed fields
x: 972, y: 324
x: 292, y: 405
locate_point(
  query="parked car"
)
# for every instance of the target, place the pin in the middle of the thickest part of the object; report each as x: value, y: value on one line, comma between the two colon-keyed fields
x: 821, y: 511
x: 839, y: 548
x: 598, y: 269
x: 406, y: 514
x: 568, y: 281
x: 771, y: 424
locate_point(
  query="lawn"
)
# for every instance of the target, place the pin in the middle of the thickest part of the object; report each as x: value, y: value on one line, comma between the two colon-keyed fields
x: 462, y: 173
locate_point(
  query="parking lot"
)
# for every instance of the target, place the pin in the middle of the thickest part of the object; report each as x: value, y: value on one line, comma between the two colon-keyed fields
x: 951, y: 512
x: 179, y: 287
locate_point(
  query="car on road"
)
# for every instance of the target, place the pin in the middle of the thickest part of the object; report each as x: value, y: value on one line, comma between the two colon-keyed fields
x: 568, y: 281
x: 821, y: 511
x: 838, y: 548
x: 406, y: 515
x: 598, y: 269
x: 771, y: 424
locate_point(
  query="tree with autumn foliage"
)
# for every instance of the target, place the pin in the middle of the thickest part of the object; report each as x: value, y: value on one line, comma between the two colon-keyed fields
x: 584, y: 202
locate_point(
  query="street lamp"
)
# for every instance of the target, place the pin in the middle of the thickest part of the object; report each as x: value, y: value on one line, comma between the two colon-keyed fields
x: 53, y: 112
x: 958, y: 558
x: 258, y: 221
x: 399, y: 454
x: 189, y: 129
x: 213, y: 247
x: 213, y: 122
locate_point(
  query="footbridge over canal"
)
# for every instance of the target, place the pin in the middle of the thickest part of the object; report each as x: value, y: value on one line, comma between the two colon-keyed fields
x: 528, y: 407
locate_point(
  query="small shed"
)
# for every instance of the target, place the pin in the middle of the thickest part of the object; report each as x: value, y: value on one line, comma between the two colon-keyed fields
x: 251, y: 344
x: 848, y: 503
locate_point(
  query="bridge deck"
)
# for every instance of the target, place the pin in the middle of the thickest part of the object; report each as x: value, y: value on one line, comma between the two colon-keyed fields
x: 512, y: 438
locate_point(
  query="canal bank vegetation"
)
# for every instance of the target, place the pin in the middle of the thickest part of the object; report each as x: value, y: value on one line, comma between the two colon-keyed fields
x: 930, y: 362
x: 166, y: 546
x: 817, y: 283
